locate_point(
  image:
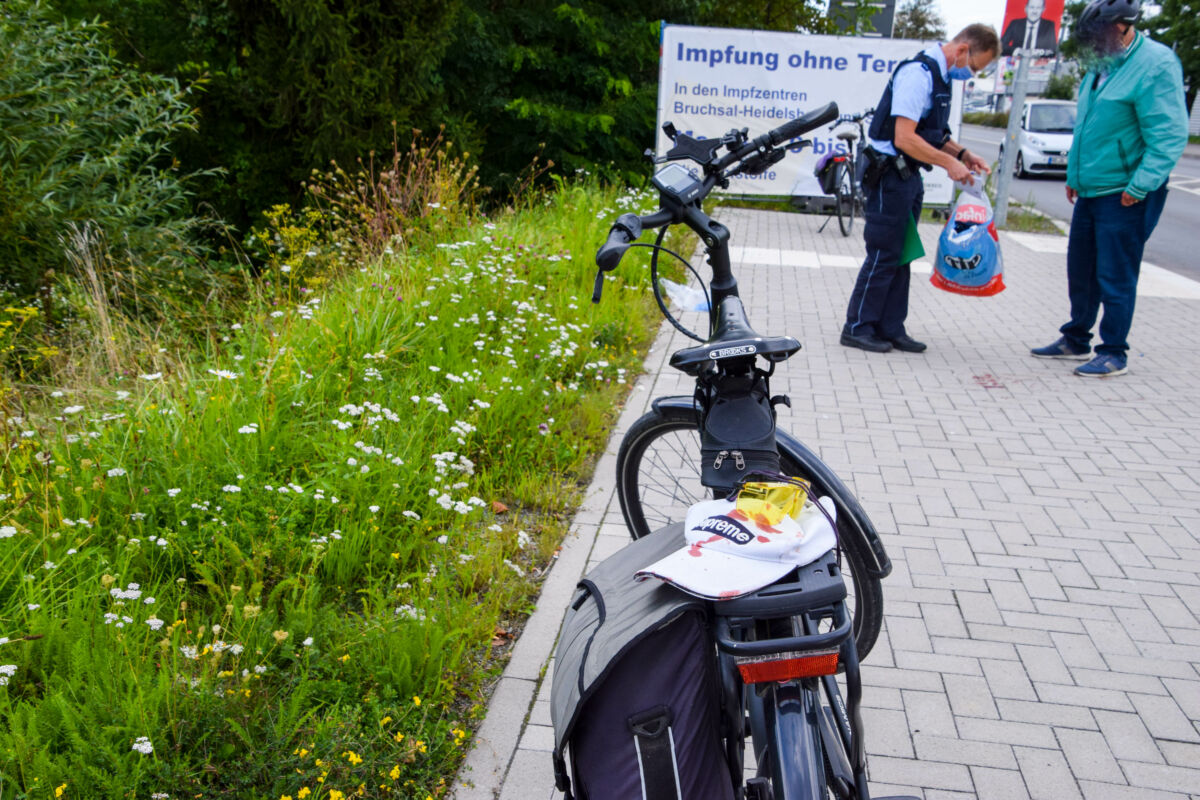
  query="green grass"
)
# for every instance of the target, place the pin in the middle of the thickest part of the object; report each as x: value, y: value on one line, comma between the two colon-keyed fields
x: 295, y: 562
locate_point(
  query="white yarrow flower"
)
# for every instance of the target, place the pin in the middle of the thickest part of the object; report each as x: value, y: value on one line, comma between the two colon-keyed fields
x: 143, y: 746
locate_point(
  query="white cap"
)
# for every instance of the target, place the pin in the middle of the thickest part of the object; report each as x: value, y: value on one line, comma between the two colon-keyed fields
x: 729, y: 554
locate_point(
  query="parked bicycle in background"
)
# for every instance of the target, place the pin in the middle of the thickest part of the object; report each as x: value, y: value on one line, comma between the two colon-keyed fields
x: 841, y: 173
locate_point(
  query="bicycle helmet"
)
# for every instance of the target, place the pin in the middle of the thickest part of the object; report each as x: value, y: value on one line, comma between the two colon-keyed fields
x: 1110, y: 11
x: 1097, y: 27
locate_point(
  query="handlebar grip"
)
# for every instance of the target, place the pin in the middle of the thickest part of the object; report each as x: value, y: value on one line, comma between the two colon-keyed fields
x: 626, y: 229
x: 793, y: 128
x: 610, y: 253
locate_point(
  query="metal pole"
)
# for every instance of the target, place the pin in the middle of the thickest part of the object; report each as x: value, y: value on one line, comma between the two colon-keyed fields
x: 1010, y: 137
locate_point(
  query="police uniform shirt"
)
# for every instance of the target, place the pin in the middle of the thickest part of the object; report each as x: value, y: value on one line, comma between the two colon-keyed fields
x: 912, y: 93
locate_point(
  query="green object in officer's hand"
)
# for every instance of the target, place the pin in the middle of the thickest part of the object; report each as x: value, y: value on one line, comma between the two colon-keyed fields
x: 913, y: 249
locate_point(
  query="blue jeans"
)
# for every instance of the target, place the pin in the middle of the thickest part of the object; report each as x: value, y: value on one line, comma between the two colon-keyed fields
x: 1104, y: 256
x: 879, y: 302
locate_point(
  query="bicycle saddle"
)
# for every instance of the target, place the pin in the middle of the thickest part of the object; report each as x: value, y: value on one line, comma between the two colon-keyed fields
x: 733, y: 338
x: 848, y: 136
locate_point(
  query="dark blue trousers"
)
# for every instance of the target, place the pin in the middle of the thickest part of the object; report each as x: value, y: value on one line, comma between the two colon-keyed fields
x: 879, y: 303
x: 1104, y: 257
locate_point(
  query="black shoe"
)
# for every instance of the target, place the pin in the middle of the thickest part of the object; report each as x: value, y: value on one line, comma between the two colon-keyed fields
x: 867, y: 341
x: 908, y: 344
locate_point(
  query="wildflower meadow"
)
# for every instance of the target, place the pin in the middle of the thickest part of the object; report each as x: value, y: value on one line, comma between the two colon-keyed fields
x: 288, y: 564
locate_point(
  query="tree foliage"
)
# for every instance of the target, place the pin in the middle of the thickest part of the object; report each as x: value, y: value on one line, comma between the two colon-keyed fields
x: 290, y: 85
x: 919, y: 19
x: 807, y: 16
x: 84, y: 143
x: 1177, y: 25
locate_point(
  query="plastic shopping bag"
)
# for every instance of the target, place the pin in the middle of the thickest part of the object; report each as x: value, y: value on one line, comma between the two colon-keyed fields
x: 968, y: 254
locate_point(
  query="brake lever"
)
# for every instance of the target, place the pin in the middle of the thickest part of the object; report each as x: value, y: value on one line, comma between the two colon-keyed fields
x: 599, y: 287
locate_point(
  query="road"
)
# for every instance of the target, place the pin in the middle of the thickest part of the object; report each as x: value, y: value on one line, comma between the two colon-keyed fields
x: 1172, y: 245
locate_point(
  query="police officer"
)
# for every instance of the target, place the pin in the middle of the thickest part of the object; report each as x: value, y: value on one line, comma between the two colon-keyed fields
x: 910, y: 131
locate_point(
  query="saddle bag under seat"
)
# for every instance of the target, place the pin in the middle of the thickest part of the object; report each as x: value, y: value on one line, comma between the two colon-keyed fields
x: 634, y: 696
x: 737, y: 433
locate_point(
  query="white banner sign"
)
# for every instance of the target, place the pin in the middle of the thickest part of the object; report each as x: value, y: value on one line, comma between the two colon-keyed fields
x: 716, y: 79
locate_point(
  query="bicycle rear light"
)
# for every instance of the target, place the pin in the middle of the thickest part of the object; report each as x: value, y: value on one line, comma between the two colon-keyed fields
x: 787, y: 666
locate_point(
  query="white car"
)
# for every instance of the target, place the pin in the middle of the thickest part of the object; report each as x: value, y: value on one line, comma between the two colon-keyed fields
x: 1044, y: 139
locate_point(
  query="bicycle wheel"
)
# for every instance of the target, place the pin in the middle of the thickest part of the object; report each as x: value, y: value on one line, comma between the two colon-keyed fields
x: 845, y: 198
x: 658, y: 479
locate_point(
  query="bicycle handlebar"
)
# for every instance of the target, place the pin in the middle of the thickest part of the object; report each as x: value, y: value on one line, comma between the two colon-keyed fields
x: 629, y: 227
x: 785, y: 132
x: 852, y: 118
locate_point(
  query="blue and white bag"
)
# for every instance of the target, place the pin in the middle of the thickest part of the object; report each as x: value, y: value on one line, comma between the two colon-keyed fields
x: 968, y: 253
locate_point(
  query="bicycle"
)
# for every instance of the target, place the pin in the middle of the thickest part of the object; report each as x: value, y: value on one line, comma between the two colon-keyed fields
x: 807, y: 739
x: 849, y: 201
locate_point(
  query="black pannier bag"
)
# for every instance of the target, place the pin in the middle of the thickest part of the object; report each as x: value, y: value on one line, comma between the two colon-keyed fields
x: 634, y: 697
x: 826, y: 171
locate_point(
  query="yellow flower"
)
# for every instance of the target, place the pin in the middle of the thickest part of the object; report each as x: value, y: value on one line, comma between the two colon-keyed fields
x: 344, y: 658
x: 285, y: 797
x: 395, y: 555
x: 334, y: 794
x: 395, y: 773
x: 303, y: 793
x: 352, y: 757
x: 399, y: 737
x: 416, y: 701
x: 58, y: 790
x: 385, y: 720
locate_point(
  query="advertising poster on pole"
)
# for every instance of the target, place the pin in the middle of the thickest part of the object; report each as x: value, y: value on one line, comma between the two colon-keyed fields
x: 1031, y: 25
x: 713, y: 80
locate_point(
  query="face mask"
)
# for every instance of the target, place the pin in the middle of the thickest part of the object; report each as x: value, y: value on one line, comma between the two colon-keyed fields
x: 958, y: 73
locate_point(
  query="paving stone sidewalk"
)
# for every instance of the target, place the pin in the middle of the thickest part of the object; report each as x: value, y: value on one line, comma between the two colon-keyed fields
x: 1042, y: 633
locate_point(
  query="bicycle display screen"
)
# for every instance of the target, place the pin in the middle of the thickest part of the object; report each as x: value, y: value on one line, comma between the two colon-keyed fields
x: 678, y: 182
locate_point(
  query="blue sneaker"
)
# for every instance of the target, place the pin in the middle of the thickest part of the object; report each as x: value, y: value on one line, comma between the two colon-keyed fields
x: 1103, y: 366
x: 1062, y: 349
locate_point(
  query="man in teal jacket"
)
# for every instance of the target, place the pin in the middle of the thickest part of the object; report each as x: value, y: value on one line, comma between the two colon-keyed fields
x: 1130, y: 130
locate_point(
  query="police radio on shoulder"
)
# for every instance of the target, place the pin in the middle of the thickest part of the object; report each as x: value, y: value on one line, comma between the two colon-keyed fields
x: 677, y: 182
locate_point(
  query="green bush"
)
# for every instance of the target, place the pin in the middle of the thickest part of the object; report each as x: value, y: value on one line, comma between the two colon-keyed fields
x: 88, y: 174
x: 993, y: 119
x: 1061, y: 87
